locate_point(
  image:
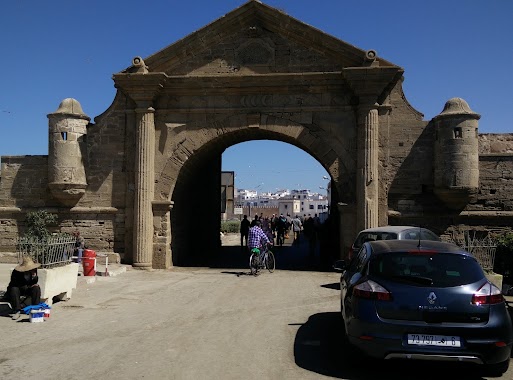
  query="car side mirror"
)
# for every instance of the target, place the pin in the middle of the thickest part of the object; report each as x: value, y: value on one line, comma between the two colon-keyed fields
x: 340, y: 266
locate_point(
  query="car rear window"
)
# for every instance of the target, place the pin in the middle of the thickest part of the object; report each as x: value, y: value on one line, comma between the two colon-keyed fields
x: 437, y: 269
x: 416, y: 234
x: 373, y: 236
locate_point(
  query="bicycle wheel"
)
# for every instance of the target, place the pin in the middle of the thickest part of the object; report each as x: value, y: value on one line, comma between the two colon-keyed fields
x: 270, y: 263
x: 253, y: 263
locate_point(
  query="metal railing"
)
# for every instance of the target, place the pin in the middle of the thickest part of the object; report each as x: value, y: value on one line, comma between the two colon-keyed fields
x: 482, y: 248
x: 50, y: 253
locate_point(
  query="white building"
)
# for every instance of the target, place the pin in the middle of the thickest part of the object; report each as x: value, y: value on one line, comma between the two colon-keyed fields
x: 294, y: 202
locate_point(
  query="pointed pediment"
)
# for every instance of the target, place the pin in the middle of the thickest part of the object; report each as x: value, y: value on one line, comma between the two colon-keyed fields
x: 257, y: 39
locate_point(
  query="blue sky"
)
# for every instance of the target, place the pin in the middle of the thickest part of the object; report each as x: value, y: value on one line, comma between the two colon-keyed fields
x: 70, y: 48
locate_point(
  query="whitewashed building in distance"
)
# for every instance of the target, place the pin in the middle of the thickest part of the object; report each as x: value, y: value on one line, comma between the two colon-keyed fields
x: 292, y: 202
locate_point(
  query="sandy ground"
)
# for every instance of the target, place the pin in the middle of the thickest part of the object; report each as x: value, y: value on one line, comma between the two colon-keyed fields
x: 199, y: 323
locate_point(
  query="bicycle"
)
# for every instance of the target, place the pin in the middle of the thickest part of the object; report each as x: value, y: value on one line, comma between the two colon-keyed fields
x: 261, y: 260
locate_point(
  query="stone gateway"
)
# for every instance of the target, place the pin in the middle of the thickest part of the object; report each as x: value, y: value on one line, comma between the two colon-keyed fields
x: 129, y: 181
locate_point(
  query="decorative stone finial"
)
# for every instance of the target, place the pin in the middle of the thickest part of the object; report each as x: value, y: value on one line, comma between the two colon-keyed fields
x: 138, y: 66
x: 370, y: 55
x: 371, y: 58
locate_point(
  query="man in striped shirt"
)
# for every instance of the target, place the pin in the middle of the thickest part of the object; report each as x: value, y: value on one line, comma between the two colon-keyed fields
x: 257, y: 237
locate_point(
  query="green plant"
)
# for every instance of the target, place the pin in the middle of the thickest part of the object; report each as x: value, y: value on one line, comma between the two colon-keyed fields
x: 504, y: 257
x: 37, y: 224
x: 505, y: 242
x: 230, y: 226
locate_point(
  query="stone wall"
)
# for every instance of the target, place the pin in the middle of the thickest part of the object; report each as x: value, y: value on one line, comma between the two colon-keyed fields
x: 255, y: 74
x: 23, y: 182
x: 493, y: 143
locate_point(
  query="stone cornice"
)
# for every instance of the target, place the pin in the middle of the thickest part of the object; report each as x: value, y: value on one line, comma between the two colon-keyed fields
x: 372, y: 84
x: 162, y: 205
x: 309, y: 82
x: 141, y: 88
x: 10, y: 210
x: 468, y: 214
x: 74, y: 210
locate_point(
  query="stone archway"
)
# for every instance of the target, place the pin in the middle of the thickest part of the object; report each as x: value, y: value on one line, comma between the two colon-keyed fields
x: 195, y: 178
x: 327, y: 100
x: 256, y: 73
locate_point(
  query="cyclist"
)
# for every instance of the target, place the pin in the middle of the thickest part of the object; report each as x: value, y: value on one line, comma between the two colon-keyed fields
x: 257, y: 237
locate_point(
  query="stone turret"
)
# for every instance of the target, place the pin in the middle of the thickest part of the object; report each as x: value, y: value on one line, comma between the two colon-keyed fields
x: 456, y: 175
x: 66, y: 151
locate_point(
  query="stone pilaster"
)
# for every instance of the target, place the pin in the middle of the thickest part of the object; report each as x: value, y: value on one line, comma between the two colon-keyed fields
x: 162, y: 234
x: 347, y: 232
x: 367, y: 166
x: 371, y: 83
x: 144, y: 183
x: 143, y: 87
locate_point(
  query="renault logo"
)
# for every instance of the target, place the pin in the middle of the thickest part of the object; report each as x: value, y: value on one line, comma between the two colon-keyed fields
x: 431, y: 298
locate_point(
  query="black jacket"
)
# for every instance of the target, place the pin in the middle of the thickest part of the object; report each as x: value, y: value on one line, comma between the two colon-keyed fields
x: 21, y: 279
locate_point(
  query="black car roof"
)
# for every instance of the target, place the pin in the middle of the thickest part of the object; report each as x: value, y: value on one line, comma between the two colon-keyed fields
x: 383, y: 246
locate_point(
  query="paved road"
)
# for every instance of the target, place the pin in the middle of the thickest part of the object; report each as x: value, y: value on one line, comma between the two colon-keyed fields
x: 198, y: 323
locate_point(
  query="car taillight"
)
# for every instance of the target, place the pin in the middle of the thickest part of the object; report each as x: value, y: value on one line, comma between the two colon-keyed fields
x: 488, y: 294
x: 422, y: 252
x: 372, y: 290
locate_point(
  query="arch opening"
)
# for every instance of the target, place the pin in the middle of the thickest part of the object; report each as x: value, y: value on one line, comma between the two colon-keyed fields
x: 196, y: 225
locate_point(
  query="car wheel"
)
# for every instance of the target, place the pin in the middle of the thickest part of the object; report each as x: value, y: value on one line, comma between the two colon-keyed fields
x: 342, y: 320
x: 497, y: 370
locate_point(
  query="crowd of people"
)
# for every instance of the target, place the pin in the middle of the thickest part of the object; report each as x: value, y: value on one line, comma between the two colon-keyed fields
x: 277, y: 228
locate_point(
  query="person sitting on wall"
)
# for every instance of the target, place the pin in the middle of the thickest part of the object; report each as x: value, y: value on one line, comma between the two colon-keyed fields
x: 24, y: 283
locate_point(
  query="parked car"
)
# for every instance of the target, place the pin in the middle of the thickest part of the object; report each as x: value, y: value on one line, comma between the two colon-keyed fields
x: 391, y: 233
x: 424, y: 300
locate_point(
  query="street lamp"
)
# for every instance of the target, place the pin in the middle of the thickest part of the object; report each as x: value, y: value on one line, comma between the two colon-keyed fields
x: 325, y: 177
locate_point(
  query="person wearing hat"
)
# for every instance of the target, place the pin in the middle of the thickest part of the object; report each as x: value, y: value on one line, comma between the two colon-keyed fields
x: 23, y: 283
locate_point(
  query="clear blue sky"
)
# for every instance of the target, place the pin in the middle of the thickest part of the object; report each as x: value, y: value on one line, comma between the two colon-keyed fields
x: 70, y: 48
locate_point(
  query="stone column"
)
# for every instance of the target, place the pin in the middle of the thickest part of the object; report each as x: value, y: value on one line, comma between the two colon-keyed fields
x: 144, y: 183
x: 367, y: 167
x: 143, y: 88
x: 371, y: 83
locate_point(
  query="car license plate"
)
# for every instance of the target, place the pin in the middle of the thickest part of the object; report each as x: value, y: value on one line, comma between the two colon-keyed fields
x: 434, y: 340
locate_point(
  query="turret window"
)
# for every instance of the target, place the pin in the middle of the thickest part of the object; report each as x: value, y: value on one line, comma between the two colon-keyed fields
x: 458, y: 133
x: 64, y: 135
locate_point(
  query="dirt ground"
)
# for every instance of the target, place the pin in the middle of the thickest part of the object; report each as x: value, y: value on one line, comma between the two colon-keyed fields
x: 199, y: 323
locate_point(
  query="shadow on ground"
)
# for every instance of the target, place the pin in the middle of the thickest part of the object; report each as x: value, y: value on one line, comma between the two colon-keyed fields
x: 320, y: 347
x: 288, y: 257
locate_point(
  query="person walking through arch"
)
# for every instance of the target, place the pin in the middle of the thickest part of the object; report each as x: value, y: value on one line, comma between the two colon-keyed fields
x: 310, y: 234
x: 281, y: 229
x: 244, y: 230
x: 296, y: 229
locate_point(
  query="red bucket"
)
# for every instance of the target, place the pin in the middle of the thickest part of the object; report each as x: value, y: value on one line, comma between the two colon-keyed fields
x: 88, y: 262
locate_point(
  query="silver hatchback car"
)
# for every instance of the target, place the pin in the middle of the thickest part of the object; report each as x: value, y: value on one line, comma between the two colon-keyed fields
x: 391, y: 233
x: 424, y: 300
